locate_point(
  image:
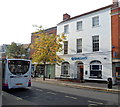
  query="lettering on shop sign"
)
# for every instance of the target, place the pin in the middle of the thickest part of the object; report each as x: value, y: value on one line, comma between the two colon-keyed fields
x: 78, y: 58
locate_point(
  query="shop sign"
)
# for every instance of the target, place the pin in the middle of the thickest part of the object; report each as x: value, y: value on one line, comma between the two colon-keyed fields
x: 78, y: 58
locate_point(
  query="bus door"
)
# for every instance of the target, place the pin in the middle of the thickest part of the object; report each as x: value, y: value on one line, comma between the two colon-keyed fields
x: 19, y: 75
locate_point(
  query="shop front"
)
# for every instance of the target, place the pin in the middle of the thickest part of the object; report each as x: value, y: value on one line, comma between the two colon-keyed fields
x: 87, y: 67
x: 116, y: 72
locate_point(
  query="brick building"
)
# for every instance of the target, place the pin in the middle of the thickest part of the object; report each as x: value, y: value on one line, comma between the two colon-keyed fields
x: 52, y: 30
x: 50, y: 69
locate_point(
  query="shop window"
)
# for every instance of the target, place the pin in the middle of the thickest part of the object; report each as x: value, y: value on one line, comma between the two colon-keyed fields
x: 65, y: 69
x: 96, y: 69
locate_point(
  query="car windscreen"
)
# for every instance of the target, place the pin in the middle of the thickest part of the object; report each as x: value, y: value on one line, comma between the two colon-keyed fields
x: 18, y: 66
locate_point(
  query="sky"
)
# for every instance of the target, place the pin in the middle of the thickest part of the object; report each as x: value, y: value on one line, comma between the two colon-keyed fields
x: 18, y: 16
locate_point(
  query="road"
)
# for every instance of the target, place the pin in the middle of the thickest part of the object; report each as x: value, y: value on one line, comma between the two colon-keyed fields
x: 49, y: 94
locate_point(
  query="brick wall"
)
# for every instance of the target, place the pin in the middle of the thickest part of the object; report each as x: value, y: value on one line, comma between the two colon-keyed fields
x: 49, y: 31
x: 115, y: 28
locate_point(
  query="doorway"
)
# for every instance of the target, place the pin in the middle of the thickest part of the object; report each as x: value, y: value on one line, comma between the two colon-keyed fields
x: 80, y: 71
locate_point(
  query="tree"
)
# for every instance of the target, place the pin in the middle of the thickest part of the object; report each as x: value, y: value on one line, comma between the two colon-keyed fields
x: 16, y: 51
x: 46, y: 47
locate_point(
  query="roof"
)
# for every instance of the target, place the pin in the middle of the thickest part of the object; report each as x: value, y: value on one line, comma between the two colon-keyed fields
x: 46, y: 30
x: 109, y: 6
x: 51, y: 28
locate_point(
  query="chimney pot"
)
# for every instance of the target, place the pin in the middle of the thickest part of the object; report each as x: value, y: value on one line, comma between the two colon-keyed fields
x: 66, y: 16
x: 115, y: 3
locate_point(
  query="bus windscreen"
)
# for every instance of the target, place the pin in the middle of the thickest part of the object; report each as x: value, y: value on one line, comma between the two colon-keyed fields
x: 18, y: 67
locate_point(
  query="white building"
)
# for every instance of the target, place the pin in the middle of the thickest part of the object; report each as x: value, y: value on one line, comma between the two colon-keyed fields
x: 88, y: 47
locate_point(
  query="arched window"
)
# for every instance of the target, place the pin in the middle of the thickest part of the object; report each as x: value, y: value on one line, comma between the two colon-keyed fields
x: 65, y: 68
x: 95, y: 69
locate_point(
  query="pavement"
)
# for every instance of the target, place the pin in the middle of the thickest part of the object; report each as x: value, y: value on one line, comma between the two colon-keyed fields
x: 100, y: 86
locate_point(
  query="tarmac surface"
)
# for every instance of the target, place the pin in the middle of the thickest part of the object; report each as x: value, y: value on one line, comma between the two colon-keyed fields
x: 87, y: 84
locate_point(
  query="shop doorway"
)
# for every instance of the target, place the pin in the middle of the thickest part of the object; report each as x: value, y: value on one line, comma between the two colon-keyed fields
x: 80, y: 71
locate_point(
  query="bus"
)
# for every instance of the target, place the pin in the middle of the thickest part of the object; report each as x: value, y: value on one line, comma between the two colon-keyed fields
x: 16, y: 73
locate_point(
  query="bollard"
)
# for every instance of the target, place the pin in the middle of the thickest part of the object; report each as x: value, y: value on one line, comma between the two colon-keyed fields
x: 49, y: 76
x: 109, y: 83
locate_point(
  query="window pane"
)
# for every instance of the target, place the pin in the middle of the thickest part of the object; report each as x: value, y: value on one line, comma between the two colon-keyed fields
x: 65, y: 68
x: 95, y: 43
x: 18, y: 66
x: 65, y: 47
x: 95, y: 21
x: 79, y: 45
x: 66, y: 27
x: 79, y: 25
x: 95, y: 69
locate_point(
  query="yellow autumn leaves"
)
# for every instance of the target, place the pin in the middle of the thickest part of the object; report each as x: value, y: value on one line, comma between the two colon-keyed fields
x: 46, y: 47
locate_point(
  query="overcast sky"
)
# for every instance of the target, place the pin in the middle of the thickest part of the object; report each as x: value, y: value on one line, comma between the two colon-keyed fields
x: 18, y: 16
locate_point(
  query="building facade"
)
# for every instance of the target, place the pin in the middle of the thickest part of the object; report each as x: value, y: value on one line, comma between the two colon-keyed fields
x: 39, y: 68
x: 91, y: 50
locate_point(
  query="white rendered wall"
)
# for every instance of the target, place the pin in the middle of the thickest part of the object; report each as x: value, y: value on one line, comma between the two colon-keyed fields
x: 104, y: 32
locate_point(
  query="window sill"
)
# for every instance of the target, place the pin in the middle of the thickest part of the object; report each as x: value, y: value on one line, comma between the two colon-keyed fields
x: 64, y: 75
x: 78, y: 52
x: 79, y: 30
x: 96, y: 26
x: 95, y: 51
x: 66, y: 32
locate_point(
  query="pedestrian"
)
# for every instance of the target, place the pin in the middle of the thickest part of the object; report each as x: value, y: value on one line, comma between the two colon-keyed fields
x: 35, y: 72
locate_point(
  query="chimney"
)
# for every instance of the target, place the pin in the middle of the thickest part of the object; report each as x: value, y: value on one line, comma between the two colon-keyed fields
x: 66, y: 16
x: 115, y: 3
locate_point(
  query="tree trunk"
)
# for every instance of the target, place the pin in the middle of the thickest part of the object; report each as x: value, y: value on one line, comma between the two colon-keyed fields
x: 44, y: 71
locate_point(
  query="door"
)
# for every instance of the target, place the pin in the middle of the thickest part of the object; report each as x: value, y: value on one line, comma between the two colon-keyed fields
x: 80, y: 70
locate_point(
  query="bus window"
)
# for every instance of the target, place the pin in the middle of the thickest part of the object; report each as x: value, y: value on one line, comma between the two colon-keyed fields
x: 18, y: 67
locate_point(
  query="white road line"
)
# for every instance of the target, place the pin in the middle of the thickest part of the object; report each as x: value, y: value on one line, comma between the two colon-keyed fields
x: 18, y: 98
x: 90, y: 105
x: 95, y: 102
x: 71, y: 97
x: 39, y: 90
x: 51, y: 93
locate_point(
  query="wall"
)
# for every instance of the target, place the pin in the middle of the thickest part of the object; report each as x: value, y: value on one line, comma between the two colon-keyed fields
x: 116, y: 33
x: 104, y: 32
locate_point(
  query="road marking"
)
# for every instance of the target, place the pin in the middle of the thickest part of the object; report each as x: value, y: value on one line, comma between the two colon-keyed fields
x: 39, y: 90
x: 71, y: 97
x: 91, y: 105
x: 51, y: 93
x: 18, y: 98
x: 95, y: 102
